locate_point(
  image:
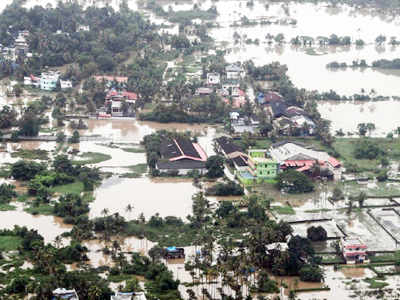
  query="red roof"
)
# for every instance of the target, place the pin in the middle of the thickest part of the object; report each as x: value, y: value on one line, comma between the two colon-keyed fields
x: 125, y: 95
x: 334, y: 162
x: 120, y: 79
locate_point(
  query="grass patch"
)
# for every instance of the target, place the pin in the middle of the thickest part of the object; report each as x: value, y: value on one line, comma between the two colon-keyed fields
x: 139, y: 168
x: 9, y: 242
x: 91, y: 158
x: 385, y: 257
x: 31, y: 154
x: 134, y: 150
x: 73, y: 188
x: 130, y: 175
x: 381, y: 189
x: 5, y: 171
x: 42, y: 209
x: 120, y: 277
x: 284, y: 210
x: 375, y: 284
x: 6, y: 207
x: 345, y: 147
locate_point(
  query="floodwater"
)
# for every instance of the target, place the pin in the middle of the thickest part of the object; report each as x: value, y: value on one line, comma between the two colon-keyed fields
x: 48, y: 226
x: 168, y: 197
x: 347, y: 115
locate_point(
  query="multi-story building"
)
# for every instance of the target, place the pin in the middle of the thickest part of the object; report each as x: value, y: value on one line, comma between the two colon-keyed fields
x: 261, y: 166
x: 354, y: 250
x: 48, y: 81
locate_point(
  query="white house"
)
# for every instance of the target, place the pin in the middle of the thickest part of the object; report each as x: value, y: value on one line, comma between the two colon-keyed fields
x: 213, y: 78
x: 65, y: 84
x: 234, y: 71
x: 48, y: 81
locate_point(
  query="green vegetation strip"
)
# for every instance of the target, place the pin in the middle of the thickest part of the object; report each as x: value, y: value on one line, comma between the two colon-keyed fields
x: 9, y: 243
x: 91, y: 158
x: 31, y: 154
x: 284, y: 210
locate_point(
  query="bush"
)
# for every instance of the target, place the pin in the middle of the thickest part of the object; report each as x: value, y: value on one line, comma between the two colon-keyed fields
x: 317, y: 233
x: 382, y: 176
x: 312, y: 273
x: 230, y: 188
x: 26, y: 170
x: 365, y: 149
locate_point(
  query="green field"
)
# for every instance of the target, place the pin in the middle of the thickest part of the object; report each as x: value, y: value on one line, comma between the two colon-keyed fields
x: 9, y: 243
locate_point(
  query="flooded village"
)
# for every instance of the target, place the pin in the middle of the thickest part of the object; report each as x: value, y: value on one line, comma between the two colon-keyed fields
x: 199, y: 149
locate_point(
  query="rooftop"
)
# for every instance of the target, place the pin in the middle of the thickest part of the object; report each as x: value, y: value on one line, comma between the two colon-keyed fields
x: 227, y: 145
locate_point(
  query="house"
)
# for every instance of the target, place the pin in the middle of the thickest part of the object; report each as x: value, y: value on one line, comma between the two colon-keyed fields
x: 261, y: 166
x: 303, y: 122
x: 293, y: 111
x: 182, y: 156
x: 129, y: 296
x: 234, y: 116
x: 234, y: 71
x: 277, y: 108
x: 129, y: 97
x: 296, y: 156
x: 65, y: 84
x: 354, y: 250
x: 83, y: 28
x: 267, y: 97
x: 238, y: 98
x: 65, y: 294
x: 204, y: 91
x: 213, y: 78
x: 240, y: 162
x: 48, y: 81
x: 32, y: 81
x: 283, y: 125
x: 21, y: 45
x: 227, y: 147
x: 174, y: 252
x: 119, y: 79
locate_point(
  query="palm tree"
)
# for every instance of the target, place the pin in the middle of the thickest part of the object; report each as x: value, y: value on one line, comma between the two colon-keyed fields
x: 129, y: 208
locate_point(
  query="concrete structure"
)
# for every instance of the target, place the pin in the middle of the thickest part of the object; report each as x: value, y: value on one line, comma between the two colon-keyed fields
x: 260, y: 166
x: 32, y: 81
x: 48, y: 81
x: 65, y: 84
x: 62, y: 293
x: 354, y: 250
x: 129, y: 296
x: 227, y: 147
x: 204, y: 91
x: 234, y: 71
x: 294, y: 155
x: 213, y: 78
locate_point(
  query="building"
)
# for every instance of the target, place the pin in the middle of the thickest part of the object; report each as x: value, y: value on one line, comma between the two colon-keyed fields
x: 65, y: 294
x: 116, y: 99
x: 129, y: 296
x: 267, y: 97
x: 293, y: 111
x: 354, y: 250
x: 227, y: 147
x: 21, y: 45
x: 213, y: 78
x: 277, y: 108
x: 48, y: 81
x: 181, y: 155
x: 204, y: 91
x: 65, y: 84
x: 303, y: 122
x: 234, y: 71
x: 261, y: 166
x: 32, y: 81
x: 118, y: 79
x: 296, y: 156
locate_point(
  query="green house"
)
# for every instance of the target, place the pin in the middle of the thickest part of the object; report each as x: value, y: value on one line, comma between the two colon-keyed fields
x: 261, y: 166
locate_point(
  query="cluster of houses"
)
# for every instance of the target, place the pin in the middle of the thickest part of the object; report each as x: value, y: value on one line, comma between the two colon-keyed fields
x: 20, y: 47
x: 228, y: 88
x: 286, y: 120
x: 258, y: 165
x: 118, y: 102
x: 65, y: 294
x: 47, y: 81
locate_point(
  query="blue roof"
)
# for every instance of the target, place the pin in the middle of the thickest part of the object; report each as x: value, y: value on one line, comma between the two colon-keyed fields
x: 171, y: 248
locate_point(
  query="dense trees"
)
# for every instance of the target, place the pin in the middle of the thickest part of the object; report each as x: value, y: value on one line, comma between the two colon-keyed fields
x: 316, y: 233
x: 215, y: 166
x: 292, y: 181
x: 230, y: 188
x: 57, y: 36
x: 367, y: 149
